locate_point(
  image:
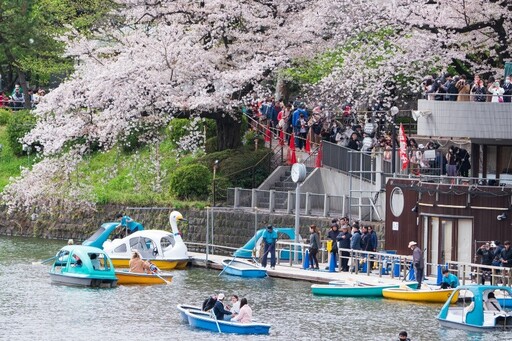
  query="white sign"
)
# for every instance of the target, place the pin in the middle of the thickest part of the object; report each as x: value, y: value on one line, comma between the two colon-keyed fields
x: 395, y: 226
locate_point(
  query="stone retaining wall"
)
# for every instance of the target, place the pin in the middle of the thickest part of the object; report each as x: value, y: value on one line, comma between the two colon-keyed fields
x: 232, y: 228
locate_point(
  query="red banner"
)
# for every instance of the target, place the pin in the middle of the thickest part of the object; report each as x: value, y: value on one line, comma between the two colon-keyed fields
x: 403, y: 147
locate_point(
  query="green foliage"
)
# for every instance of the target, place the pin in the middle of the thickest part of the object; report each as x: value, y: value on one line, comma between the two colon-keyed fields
x: 30, y: 30
x: 311, y: 71
x: 177, y: 129
x: 10, y: 164
x: 19, y: 125
x: 190, y: 182
x: 242, y: 167
x: 211, y: 145
x: 250, y: 138
x: 5, y: 116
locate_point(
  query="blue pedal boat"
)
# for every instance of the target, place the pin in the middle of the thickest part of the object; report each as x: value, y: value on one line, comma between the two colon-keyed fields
x: 474, y: 310
x: 80, y: 265
x: 243, y: 268
x: 200, y: 320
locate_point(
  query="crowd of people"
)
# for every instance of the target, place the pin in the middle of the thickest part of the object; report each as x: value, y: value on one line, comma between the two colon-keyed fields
x: 494, y: 254
x: 374, y: 135
x: 458, y: 88
x: 16, y: 99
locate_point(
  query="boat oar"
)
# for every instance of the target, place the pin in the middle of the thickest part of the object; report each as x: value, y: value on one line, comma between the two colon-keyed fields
x: 163, y: 279
x: 227, y: 265
x: 156, y: 271
x: 216, y: 321
x: 46, y: 260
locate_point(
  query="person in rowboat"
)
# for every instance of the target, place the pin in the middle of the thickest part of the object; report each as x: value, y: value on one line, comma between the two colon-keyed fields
x: 138, y: 265
x: 235, y: 308
x: 418, y: 262
x: 245, y: 315
x: 402, y: 336
x: 209, y: 302
x: 218, y: 309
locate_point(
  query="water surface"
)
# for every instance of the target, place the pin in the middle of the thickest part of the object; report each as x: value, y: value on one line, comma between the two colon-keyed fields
x: 33, y: 309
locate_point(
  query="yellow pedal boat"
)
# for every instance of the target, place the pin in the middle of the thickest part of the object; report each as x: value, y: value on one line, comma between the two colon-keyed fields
x: 422, y: 295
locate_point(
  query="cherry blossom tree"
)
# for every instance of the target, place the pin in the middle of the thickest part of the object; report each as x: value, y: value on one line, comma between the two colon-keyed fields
x: 387, y: 47
x: 199, y: 59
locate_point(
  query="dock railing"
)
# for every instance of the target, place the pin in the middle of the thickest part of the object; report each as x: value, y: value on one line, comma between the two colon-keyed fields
x: 474, y: 272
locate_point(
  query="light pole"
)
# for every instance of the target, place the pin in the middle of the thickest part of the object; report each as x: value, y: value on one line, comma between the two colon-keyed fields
x: 215, y: 164
x: 394, y: 111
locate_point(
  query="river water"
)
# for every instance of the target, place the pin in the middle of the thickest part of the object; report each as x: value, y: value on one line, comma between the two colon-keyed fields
x: 33, y: 309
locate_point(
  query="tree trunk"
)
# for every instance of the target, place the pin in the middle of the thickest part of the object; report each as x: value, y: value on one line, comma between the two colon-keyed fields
x: 23, y: 84
x: 228, y: 132
x: 282, y: 91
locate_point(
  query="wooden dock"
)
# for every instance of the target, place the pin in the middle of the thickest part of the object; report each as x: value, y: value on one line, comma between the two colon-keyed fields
x: 296, y: 272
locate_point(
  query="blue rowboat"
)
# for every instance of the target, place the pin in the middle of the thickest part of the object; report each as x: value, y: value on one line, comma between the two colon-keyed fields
x: 86, y: 266
x: 198, y: 319
x: 183, y: 308
x: 474, y: 310
x: 357, y: 289
x: 243, y: 269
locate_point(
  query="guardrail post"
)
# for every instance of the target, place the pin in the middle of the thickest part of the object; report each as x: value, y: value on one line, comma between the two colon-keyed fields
x: 236, y: 198
x: 326, y: 205
x: 254, y: 198
x: 272, y: 201
x: 308, y: 204
x: 289, y: 205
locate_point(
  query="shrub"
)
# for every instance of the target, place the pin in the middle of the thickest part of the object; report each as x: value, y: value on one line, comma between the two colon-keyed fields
x: 5, y: 115
x: 18, y: 126
x: 250, y: 136
x: 191, y: 182
x: 211, y: 145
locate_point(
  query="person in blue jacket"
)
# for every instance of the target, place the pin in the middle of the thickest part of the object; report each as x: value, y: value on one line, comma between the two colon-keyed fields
x: 449, y: 280
x: 269, y: 238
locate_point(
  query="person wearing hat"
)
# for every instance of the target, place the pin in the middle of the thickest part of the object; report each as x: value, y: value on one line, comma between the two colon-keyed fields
x: 218, y: 309
x: 269, y: 238
x: 417, y: 261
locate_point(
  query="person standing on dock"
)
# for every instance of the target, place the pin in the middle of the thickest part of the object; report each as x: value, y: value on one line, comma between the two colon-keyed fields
x: 314, y: 246
x: 506, y: 260
x: 269, y: 238
x: 417, y: 261
x: 331, y: 236
x: 344, y: 243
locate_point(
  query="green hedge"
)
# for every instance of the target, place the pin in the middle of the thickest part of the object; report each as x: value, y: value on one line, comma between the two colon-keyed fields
x: 20, y: 123
x: 5, y: 116
x: 191, y: 182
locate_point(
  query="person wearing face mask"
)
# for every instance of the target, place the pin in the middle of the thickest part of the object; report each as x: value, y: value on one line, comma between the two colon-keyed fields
x: 497, y: 92
x: 507, y: 87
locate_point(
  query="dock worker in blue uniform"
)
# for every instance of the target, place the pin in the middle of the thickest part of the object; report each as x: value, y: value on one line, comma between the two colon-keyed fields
x: 269, y: 238
x: 449, y: 280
